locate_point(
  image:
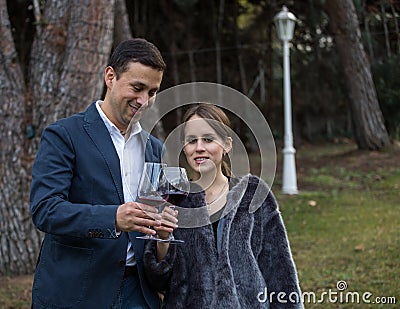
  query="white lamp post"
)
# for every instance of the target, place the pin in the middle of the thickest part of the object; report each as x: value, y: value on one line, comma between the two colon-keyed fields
x: 285, y: 22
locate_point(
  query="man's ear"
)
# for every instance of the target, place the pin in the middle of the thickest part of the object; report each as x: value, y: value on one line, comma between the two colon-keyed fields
x: 109, y: 75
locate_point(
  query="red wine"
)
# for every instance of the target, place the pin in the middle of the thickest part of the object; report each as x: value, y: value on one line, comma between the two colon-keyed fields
x: 175, y: 197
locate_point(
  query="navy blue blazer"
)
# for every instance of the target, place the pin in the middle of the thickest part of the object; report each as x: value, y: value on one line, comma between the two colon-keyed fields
x: 75, y: 192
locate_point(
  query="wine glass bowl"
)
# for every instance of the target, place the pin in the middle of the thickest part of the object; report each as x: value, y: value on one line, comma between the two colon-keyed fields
x: 178, y: 189
x: 152, y: 189
x: 178, y: 184
x: 161, y: 185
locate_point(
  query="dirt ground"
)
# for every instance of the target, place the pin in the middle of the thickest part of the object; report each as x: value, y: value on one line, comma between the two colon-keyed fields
x: 350, y: 157
x: 15, y: 292
x: 345, y: 156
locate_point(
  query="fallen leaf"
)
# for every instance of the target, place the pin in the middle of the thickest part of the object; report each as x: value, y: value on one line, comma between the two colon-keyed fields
x: 359, y: 248
x: 312, y: 203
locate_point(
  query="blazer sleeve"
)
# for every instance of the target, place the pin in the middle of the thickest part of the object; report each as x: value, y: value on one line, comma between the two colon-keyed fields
x: 276, y: 261
x: 55, y: 210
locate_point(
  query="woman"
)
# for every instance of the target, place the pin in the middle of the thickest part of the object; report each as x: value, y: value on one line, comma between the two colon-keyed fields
x: 232, y: 257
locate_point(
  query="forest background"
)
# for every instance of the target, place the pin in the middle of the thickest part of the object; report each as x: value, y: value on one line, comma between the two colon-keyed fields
x: 345, y: 70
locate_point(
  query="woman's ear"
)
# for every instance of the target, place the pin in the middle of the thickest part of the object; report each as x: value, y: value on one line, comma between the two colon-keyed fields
x: 228, y: 145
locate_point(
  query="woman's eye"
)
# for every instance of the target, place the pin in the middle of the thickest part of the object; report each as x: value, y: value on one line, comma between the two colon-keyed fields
x: 208, y: 139
x: 191, y: 141
x: 137, y: 89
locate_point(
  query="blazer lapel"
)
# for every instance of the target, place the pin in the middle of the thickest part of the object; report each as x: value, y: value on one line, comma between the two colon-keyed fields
x: 148, y: 149
x: 100, y: 136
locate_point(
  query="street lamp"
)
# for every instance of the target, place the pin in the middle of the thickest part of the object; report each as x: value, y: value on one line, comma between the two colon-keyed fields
x: 284, y: 22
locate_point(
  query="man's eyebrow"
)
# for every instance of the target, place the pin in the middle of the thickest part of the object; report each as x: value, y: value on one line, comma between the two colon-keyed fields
x: 137, y: 83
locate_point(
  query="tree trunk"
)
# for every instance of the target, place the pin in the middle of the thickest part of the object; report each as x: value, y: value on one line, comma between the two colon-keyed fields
x: 122, y: 30
x: 217, y: 36
x: 17, y: 238
x: 396, y: 26
x: 368, y: 124
x: 386, y: 30
x: 369, y: 40
x: 65, y: 75
x: 242, y: 71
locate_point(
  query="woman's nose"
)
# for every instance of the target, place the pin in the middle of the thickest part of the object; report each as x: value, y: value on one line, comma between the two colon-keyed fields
x: 199, y: 145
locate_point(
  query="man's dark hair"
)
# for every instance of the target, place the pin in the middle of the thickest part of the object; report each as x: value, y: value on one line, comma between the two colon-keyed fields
x: 136, y: 50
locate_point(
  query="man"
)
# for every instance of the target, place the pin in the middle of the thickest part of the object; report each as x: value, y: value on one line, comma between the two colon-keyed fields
x: 80, y: 199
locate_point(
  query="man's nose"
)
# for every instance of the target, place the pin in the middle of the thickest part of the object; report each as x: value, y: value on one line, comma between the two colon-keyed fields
x: 143, y: 99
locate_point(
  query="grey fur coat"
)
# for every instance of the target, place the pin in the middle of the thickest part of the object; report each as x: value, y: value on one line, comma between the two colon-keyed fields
x: 250, y: 266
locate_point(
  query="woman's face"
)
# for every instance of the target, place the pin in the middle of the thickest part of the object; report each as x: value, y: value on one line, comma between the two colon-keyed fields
x: 203, y: 147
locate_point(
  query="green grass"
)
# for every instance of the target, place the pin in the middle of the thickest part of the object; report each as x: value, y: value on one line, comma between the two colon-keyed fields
x: 347, y: 230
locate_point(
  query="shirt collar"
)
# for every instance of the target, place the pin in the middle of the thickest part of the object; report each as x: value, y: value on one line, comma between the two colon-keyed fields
x: 137, y: 128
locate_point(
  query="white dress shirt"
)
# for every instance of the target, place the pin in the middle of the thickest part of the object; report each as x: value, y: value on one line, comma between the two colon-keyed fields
x: 131, y: 158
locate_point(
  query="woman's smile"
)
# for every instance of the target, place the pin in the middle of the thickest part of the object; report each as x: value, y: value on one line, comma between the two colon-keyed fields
x: 200, y: 160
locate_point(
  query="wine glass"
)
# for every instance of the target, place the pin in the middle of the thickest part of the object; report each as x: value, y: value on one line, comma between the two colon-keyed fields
x: 178, y: 189
x: 153, y: 189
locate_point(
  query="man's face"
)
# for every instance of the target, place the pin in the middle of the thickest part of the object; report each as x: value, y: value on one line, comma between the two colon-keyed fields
x: 131, y: 94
